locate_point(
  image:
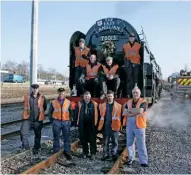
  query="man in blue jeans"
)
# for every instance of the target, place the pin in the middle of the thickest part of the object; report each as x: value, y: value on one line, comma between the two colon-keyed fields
x: 135, y: 111
x: 60, y: 113
x: 109, y: 124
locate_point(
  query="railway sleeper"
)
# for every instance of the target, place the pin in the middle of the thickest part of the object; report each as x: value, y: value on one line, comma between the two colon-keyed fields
x: 59, y: 164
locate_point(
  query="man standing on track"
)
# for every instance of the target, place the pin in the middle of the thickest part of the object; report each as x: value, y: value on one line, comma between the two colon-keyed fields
x: 60, y: 113
x: 87, y: 118
x: 135, y: 111
x: 110, y: 122
x: 33, y: 116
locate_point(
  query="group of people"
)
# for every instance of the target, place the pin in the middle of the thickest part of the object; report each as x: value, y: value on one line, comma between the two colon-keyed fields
x: 90, y: 118
x: 91, y: 75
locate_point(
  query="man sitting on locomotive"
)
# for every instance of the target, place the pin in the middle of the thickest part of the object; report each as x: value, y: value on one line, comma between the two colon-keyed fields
x: 89, y: 78
x: 109, y: 77
x: 131, y: 63
x: 82, y: 54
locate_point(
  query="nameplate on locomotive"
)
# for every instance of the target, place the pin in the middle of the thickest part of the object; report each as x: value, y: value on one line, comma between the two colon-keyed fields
x: 109, y: 24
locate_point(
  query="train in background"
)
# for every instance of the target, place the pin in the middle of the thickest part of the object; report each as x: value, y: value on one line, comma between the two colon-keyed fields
x: 180, y: 85
x: 117, y: 31
x: 11, y: 77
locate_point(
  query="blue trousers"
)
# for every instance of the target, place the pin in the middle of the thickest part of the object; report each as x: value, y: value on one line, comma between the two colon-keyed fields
x: 132, y: 133
x: 57, y: 127
x: 114, y: 139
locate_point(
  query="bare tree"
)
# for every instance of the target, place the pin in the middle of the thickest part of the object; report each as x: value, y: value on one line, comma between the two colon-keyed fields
x: 10, y: 66
x: 52, y: 72
x: 25, y: 66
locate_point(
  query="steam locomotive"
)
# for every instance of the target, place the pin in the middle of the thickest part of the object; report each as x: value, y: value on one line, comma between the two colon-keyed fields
x: 117, y: 31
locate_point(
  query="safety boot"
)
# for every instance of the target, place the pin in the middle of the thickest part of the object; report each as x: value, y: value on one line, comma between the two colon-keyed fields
x: 144, y: 165
x: 35, y: 151
x: 114, y: 157
x: 68, y: 155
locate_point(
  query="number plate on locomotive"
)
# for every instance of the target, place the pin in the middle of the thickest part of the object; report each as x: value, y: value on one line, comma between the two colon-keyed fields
x: 109, y: 38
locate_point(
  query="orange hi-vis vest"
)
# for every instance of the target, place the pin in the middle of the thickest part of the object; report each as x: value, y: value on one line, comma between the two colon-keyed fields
x: 79, y: 60
x: 141, y: 120
x: 132, y: 53
x: 26, y: 112
x: 91, y: 72
x: 61, y: 113
x: 112, y: 71
x: 95, y: 112
x: 116, y: 116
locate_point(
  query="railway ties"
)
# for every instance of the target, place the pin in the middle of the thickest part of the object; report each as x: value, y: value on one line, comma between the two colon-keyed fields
x: 16, y: 131
x: 57, y: 163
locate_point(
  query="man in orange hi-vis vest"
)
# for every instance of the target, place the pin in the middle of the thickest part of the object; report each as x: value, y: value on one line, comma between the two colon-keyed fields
x: 60, y: 114
x: 33, y: 116
x: 132, y: 61
x: 134, y: 112
x: 89, y: 79
x: 109, y: 78
x: 82, y: 54
x: 86, y: 120
x: 110, y: 123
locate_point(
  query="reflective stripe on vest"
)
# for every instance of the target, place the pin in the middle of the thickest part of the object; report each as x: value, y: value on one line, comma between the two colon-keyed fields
x: 132, y: 53
x: 95, y: 112
x: 91, y: 72
x: 112, y: 71
x: 116, y: 116
x: 79, y: 61
x: 26, y: 111
x: 61, y: 113
x: 140, y: 118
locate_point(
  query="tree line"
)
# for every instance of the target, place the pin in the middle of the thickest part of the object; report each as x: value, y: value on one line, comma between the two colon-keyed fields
x: 23, y: 68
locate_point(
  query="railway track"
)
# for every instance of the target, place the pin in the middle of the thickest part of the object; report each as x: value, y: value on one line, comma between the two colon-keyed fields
x: 25, y: 160
x: 17, y: 131
x: 19, y: 101
x: 26, y: 163
x: 57, y: 163
x: 10, y: 123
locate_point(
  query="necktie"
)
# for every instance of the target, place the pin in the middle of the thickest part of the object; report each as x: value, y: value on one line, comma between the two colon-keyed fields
x: 86, y: 109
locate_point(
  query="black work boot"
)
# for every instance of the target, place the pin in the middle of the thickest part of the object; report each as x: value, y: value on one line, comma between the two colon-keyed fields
x: 144, y: 165
x: 114, y: 157
x: 68, y: 155
x: 35, y: 151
